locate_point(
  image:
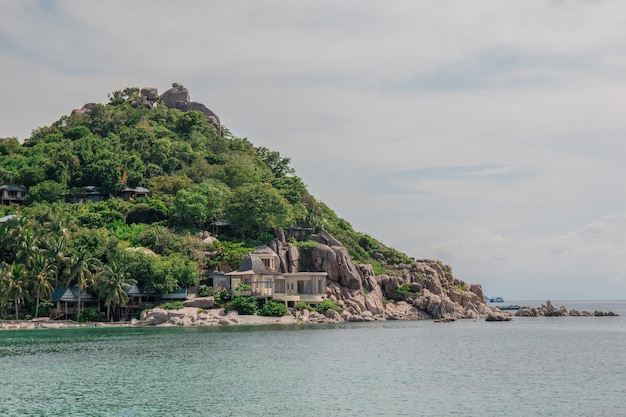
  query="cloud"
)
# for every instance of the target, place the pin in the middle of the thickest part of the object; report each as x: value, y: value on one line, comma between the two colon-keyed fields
x: 487, y: 134
x: 417, y: 181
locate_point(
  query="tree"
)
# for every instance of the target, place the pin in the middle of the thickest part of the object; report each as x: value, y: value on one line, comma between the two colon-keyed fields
x: 46, y: 191
x: 16, y: 285
x: 257, y: 208
x: 277, y: 164
x: 26, y: 246
x: 81, y: 271
x: 41, y: 275
x: 190, y: 208
x: 232, y: 253
x: 112, y: 285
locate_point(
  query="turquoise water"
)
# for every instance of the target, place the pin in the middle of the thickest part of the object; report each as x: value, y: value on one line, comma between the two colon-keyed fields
x: 528, y: 367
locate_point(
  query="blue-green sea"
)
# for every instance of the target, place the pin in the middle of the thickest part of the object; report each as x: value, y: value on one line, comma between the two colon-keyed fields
x: 567, y: 366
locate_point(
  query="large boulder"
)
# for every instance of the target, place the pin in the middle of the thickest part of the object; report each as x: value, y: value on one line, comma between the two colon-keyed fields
x: 498, y: 316
x: 176, y: 97
x: 210, y: 116
x: 150, y: 93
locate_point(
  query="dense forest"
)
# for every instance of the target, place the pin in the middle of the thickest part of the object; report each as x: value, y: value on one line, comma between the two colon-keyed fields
x: 198, y: 179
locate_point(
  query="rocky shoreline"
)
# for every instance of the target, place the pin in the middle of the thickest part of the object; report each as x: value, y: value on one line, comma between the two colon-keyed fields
x: 548, y: 310
x: 193, y: 316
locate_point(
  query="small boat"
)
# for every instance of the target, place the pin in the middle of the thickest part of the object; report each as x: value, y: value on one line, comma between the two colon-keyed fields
x: 496, y: 300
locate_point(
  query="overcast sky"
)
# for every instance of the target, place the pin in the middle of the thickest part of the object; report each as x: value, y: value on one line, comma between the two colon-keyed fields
x: 488, y: 134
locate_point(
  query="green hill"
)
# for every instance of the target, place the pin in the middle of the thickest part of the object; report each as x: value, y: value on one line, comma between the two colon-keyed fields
x: 200, y: 177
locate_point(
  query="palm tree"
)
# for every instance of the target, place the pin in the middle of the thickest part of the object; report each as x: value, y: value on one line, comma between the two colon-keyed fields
x: 81, y: 270
x: 56, y: 250
x: 27, y: 246
x: 113, y: 284
x: 16, y: 281
x: 41, y: 274
x: 4, y: 283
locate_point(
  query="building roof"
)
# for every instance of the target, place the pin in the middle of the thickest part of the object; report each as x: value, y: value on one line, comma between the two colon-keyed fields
x: 7, y: 218
x: 69, y: 294
x: 88, y: 190
x: 13, y: 188
x: 253, y: 265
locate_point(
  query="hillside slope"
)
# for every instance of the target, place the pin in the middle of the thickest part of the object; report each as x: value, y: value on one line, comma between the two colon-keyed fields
x: 199, y: 177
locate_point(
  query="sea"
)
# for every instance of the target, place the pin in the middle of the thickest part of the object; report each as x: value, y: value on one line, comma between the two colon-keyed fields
x: 546, y: 366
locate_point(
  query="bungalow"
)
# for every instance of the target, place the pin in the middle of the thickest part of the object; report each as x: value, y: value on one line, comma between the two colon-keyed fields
x: 131, y: 194
x: 12, y: 194
x: 260, y: 278
x: 66, y: 299
x: 85, y: 194
x: 138, y: 298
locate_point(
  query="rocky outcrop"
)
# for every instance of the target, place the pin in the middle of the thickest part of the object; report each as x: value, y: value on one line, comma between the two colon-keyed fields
x: 196, y: 317
x: 85, y: 109
x: 548, y: 310
x: 176, y: 97
x: 433, y: 292
x: 200, y: 302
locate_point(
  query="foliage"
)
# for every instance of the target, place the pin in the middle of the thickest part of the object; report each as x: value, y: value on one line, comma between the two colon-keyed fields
x: 256, y: 208
x: 45, y: 307
x: 328, y: 305
x: 206, y: 291
x: 462, y: 288
x: 243, y: 287
x: 244, y: 304
x: 301, y: 305
x: 404, y: 291
x: 172, y: 305
x: 232, y: 253
x: 274, y: 309
x: 306, y: 246
x: 89, y: 315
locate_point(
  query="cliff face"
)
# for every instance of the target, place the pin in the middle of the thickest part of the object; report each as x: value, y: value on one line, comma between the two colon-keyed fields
x: 425, y: 289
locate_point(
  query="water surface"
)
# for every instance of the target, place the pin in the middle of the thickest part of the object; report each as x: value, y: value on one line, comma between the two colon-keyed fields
x: 529, y: 367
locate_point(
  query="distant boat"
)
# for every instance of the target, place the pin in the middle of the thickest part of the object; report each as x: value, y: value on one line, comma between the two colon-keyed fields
x: 496, y: 300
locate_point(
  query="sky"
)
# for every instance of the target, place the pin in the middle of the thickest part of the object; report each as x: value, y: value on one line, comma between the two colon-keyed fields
x: 487, y: 134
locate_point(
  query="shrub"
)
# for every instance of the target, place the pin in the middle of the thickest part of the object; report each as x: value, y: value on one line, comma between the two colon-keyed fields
x: 328, y: 305
x: 301, y: 305
x: 172, y: 305
x: 404, y: 291
x: 225, y: 295
x: 88, y: 315
x: 243, y: 304
x: 460, y: 287
x: 206, y: 291
x: 45, y: 306
x: 243, y: 287
x: 274, y: 309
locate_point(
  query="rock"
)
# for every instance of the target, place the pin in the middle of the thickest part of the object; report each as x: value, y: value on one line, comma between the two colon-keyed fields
x: 200, y: 302
x: 324, y: 259
x: 327, y: 239
x: 150, y: 93
x: 293, y: 258
x: 498, y: 316
x: 333, y: 315
x: 176, y: 97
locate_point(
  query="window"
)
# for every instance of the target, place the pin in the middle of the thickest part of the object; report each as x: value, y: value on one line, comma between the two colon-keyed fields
x: 305, y: 287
